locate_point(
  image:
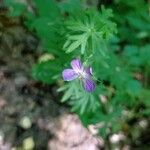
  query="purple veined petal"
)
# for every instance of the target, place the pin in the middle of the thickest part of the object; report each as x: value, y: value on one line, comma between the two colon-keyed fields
x: 89, y: 85
x: 76, y: 65
x: 69, y: 74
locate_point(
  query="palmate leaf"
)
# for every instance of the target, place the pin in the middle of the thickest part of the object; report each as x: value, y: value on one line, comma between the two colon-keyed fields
x: 68, y: 94
x: 88, y: 30
x: 69, y: 89
x: 80, y: 100
x: 86, y: 102
x: 75, y: 41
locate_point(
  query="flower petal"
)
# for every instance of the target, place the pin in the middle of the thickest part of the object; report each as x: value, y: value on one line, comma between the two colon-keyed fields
x: 69, y: 74
x: 89, y: 85
x: 89, y: 71
x: 76, y: 65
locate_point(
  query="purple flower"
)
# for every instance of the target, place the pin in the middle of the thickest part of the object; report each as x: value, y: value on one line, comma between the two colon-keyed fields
x: 80, y: 72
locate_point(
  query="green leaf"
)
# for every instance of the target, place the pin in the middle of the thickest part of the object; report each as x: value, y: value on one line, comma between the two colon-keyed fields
x: 134, y: 87
x: 70, y: 6
x: 79, y: 100
x: 46, y: 71
x: 47, y: 8
x: 145, y: 55
x: 73, y: 46
x: 75, y: 41
x: 68, y: 94
x: 16, y: 9
x: 88, y: 31
x: 130, y: 50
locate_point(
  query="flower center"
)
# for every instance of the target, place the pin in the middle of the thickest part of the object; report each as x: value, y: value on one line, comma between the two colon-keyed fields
x: 82, y: 74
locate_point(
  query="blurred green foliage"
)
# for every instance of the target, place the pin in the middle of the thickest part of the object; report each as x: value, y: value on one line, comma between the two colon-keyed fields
x: 115, y: 43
